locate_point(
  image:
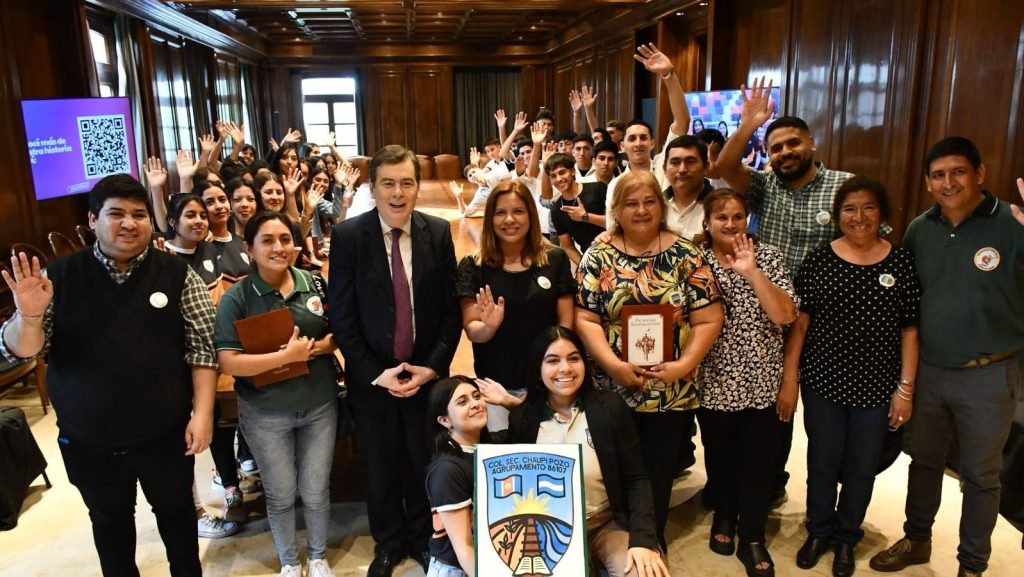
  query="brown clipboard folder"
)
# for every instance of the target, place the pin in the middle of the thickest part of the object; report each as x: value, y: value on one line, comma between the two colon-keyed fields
x: 267, y: 333
x: 661, y: 339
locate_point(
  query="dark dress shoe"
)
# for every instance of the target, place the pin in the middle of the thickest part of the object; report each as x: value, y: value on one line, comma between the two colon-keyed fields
x: 383, y: 564
x: 902, y: 553
x: 844, y: 563
x: 423, y: 558
x: 812, y: 550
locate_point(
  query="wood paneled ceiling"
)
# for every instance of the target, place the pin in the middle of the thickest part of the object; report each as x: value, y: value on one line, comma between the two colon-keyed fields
x: 462, y: 22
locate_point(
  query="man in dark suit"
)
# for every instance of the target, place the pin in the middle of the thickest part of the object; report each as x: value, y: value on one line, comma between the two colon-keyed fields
x: 397, y: 322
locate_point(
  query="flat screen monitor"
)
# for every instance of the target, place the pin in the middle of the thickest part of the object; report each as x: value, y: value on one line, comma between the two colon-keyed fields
x: 74, y: 142
x: 720, y: 109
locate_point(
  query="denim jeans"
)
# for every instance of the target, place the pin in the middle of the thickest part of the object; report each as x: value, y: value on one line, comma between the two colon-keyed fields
x: 439, y: 569
x: 295, y: 451
x: 844, y: 445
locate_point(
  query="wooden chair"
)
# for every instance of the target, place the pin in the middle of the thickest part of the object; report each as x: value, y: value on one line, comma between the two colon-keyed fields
x: 85, y: 235
x: 30, y: 251
x: 62, y: 245
x: 363, y: 164
x: 426, y: 167
x: 447, y: 167
x: 18, y: 372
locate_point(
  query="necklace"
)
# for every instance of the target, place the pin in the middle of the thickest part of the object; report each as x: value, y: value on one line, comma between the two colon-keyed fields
x: 647, y: 248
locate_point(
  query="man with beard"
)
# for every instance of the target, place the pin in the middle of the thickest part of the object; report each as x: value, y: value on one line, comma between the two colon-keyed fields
x: 792, y: 203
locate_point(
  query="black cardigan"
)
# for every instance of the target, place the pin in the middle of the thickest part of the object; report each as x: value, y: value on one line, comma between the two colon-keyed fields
x: 617, y: 445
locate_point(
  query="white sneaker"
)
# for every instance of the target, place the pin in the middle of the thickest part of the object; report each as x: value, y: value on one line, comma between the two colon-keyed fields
x: 319, y: 568
x: 247, y: 484
x: 249, y: 466
x: 211, y: 527
x: 291, y: 571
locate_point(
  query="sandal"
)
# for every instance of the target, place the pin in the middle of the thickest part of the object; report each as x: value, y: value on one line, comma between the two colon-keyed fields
x: 752, y: 555
x: 723, y: 526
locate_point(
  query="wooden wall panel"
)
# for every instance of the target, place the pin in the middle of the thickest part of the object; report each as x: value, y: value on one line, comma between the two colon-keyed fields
x: 879, y: 81
x: 42, y: 45
x: 431, y: 102
x: 392, y: 101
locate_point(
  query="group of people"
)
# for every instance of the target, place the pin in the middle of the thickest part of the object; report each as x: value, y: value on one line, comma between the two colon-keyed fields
x: 873, y: 334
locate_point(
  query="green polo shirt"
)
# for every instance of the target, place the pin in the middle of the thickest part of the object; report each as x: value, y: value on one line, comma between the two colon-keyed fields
x: 250, y: 297
x: 972, y: 283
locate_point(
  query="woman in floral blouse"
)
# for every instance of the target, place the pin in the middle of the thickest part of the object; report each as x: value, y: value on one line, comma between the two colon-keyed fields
x: 645, y: 263
x: 739, y: 420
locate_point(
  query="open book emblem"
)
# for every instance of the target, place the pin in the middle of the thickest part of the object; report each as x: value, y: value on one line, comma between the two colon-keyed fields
x: 530, y: 510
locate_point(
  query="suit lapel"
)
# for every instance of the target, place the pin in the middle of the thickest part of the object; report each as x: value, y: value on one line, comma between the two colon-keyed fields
x: 377, y: 253
x: 421, y: 243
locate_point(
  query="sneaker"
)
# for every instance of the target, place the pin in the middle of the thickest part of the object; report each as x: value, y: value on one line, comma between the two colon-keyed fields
x: 211, y: 527
x: 319, y: 568
x: 291, y: 571
x: 903, y: 553
x: 248, y: 466
x: 232, y: 498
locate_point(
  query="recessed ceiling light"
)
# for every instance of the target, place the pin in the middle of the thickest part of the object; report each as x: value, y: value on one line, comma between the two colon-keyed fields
x: 520, y: 37
x: 533, y: 27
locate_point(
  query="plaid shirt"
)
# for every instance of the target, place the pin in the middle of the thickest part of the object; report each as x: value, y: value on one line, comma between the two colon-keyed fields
x: 795, y: 221
x: 196, y: 308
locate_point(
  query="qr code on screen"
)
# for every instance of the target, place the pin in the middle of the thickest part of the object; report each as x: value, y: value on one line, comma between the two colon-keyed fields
x: 104, y: 145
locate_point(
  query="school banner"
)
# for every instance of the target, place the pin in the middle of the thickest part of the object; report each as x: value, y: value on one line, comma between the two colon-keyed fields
x: 529, y: 511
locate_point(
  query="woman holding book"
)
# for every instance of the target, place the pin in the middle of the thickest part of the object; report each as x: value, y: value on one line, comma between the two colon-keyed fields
x: 289, y: 424
x: 645, y: 263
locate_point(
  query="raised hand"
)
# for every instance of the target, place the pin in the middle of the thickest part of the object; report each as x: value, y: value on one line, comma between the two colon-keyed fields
x: 331, y: 139
x: 222, y: 129
x: 521, y: 122
x: 186, y: 164
x: 492, y: 312
x: 31, y: 289
x: 293, y: 181
x: 341, y: 173
x: 1014, y: 209
x: 353, y: 177
x: 743, y: 261
x: 549, y: 149
x: 758, y: 105
x: 293, y: 136
x: 537, y: 133
x: 206, y: 144
x: 654, y: 60
x: 474, y: 156
x: 273, y: 144
x: 494, y: 393
x: 156, y: 174
x: 499, y: 117
x: 589, y: 95
x: 314, y: 196
x: 575, y: 100
x: 456, y: 188
x: 236, y: 132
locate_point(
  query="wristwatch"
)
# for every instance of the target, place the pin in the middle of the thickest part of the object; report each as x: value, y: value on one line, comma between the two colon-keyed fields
x: 584, y: 217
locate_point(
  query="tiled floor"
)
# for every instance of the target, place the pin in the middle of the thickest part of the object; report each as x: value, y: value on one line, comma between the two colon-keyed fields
x: 53, y: 537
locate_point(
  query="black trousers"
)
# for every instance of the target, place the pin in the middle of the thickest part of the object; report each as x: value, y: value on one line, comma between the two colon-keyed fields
x: 107, y: 482
x: 786, y: 445
x: 740, y: 452
x: 222, y: 449
x: 392, y: 435
x: 661, y: 436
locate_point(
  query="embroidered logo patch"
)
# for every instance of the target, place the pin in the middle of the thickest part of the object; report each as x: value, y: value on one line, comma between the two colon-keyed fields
x: 315, y: 306
x: 208, y: 265
x: 986, y: 259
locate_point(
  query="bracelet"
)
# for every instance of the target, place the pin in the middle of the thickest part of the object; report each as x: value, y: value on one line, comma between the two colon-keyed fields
x: 28, y: 317
x: 905, y: 391
x: 903, y: 395
x: 669, y: 75
x: 906, y: 381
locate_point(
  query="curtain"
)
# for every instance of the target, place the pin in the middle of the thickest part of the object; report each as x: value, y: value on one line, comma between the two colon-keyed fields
x: 477, y: 94
x: 128, y: 84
